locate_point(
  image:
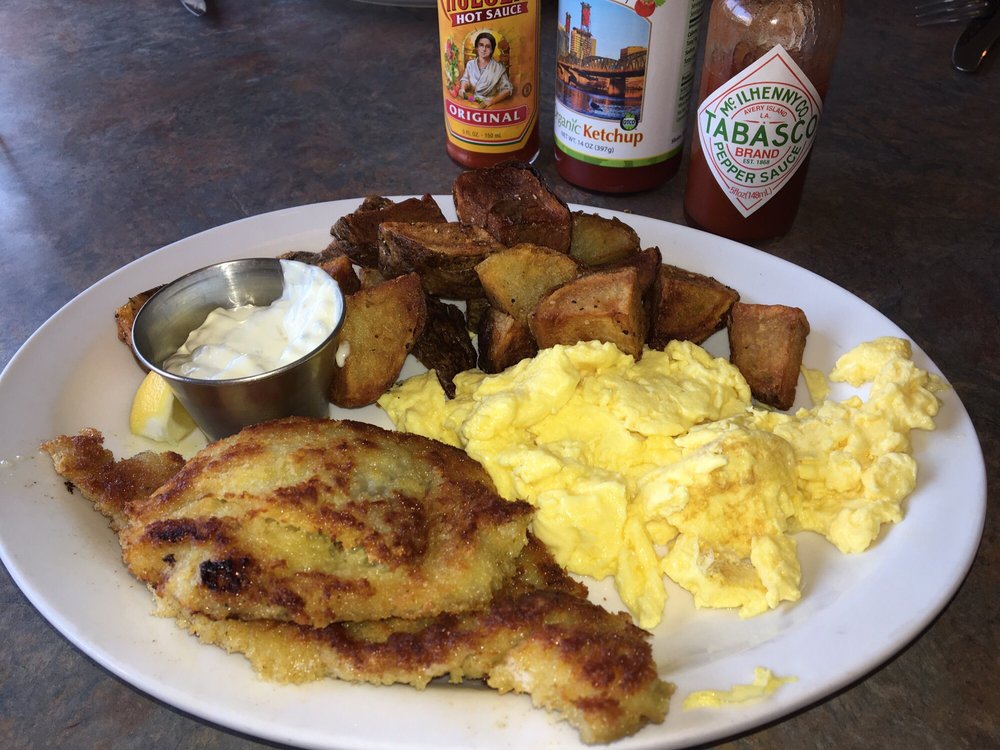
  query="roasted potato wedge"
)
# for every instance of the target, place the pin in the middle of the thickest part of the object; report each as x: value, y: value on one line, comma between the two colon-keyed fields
x: 603, y: 306
x: 445, y: 255
x: 766, y: 344
x: 445, y: 345
x: 514, y: 279
x: 512, y: 202
x: 503, y: 341
x: 687, y: 306
x: 474, y: 309
x: 598, y: 241
x: 125, y: 314
x: 358, y: 230
x: 381, y: 325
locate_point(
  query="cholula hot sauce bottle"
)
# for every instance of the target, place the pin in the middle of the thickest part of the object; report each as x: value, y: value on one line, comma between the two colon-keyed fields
x: 489, y: 72
x: 766, y: 71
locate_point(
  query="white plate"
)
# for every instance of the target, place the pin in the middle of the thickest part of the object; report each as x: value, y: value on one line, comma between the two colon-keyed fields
x: 856, y: 611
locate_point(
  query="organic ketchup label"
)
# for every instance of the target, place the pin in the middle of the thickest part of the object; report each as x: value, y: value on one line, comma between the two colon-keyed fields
x: 757, y: 128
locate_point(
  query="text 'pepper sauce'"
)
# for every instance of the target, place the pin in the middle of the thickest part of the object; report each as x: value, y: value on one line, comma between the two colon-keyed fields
x: 766, y: 71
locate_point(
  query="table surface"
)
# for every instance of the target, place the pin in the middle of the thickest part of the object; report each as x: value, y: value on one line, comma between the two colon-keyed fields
x: 126, y: 126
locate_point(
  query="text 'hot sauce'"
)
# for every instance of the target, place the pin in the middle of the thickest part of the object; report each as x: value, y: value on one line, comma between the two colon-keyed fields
x: 489, y: 71
x: 767, y: 67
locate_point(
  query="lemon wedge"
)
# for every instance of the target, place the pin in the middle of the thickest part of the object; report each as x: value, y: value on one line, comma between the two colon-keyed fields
x: 157, y: 414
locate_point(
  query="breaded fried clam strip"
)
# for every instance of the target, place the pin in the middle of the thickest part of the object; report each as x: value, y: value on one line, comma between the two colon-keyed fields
x: 115, y: 487
x: 538, y: 636
x: 318, y: 521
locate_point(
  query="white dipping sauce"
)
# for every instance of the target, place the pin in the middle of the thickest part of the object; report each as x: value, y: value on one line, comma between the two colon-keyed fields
x: 250, y: 340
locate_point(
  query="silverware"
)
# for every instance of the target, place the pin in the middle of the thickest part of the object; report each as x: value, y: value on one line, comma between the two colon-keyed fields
x: 197, y: 7
x: 975, y: 42
x: 950, y: 11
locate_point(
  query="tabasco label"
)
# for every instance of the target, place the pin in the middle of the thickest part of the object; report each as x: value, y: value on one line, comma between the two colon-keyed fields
x: 757, y: 128
x: 489, y: 70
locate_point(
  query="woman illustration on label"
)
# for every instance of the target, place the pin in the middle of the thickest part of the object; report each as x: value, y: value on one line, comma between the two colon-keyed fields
x: 484, y: 78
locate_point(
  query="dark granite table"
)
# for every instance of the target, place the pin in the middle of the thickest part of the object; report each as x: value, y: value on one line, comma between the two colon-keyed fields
x: 127, y: 125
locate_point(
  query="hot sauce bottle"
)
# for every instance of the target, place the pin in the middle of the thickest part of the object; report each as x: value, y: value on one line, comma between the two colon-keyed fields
x: 489, y: 72
x: 766, y: 71
x: 624, y: 77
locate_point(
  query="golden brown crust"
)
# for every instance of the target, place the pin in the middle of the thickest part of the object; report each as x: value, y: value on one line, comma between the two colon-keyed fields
x: 597, y: 240
x: 766, y: 344
x: 688, y: 306
x: 381, y: 325
x: 314, y: 521
x: 114, y: 487
x: 503, y: 341
x: 539, y: 635
x: 125, y: 315
x: 600, y: 306
x: 514, y: 279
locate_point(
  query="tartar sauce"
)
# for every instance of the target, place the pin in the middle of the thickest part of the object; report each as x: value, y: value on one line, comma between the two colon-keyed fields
x: 250, y: 340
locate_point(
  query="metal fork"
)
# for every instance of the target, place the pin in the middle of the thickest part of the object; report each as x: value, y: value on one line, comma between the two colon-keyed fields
x: 949, y: 11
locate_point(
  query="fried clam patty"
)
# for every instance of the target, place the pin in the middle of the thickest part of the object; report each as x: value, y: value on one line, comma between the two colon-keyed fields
x: 313, y: 521
x: 537, y: 635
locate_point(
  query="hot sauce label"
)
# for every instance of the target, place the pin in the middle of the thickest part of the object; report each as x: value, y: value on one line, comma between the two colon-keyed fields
x: 624, y: 74
x: 489, y: 64
x: 757, y: 128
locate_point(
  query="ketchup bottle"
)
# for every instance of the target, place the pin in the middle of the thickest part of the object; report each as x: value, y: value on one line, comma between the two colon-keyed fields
x: 624, y: 77
x: 489, y: 72
x: 766, y: 71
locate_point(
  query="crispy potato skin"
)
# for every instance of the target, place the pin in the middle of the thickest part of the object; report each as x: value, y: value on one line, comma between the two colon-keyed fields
x: 503, y: 341
x: 598, y: 241
x: 358, y: 230
x: 766, y: 344
x: 445, y: 255
x: 381, y: 326
x: 601, y: 306
x: 512, y: 202
x: 514, y: 279
x: 688, y: 306
x: 445, y: 345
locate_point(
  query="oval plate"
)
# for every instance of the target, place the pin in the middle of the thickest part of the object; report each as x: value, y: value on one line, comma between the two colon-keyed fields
x: 855, y: 613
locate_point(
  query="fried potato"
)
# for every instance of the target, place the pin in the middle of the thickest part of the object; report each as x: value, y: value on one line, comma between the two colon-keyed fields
x: 474, y: 309
x: 381, y: 325
x: 687, y: 306
x: 515, y: 279
x: 600, y: 306
x: 445, y: 345
x: 358, y: 230
x: 512, y: 202
x: 597, y: 240
x: 503, y: 341
x: 445, y: 255
x: 125, y: 314
x: 766, y: 344
x: 342, y: 270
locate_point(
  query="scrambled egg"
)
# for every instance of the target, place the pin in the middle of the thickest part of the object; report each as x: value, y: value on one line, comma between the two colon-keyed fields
x: 665, y: 465
x: 764, y: 684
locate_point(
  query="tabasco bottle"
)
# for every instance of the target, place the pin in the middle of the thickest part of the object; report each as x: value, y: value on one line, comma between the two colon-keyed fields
x: 624, y: 78
x: 489, y: 73
x: 766, y: 71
